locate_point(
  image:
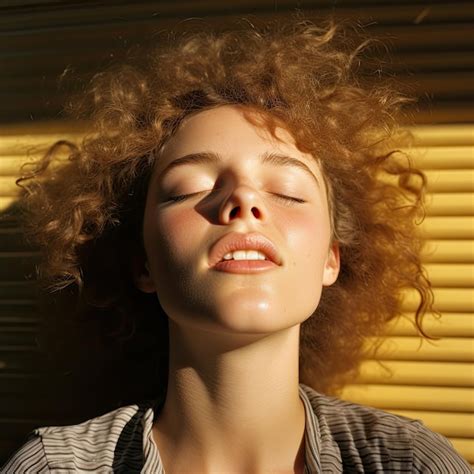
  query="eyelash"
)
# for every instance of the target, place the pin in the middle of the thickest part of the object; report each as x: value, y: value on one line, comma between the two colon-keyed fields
x: 179, y: 198
x: 278, y: 196
x: 289, y: 198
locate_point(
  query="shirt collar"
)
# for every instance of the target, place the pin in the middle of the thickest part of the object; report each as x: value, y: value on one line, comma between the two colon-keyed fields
x: 312, y: 436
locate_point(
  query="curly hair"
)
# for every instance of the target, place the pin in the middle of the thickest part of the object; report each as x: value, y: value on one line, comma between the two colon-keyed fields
x: 87, y: 214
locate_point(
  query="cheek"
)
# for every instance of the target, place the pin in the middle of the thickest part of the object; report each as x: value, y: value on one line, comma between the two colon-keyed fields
x: 308, y: 236
x: 172, y: 233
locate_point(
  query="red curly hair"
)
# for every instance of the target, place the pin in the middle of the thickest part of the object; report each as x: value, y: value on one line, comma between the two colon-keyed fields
x: 86, y: 215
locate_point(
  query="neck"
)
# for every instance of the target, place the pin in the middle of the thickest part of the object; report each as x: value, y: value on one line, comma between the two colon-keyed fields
x: 232, y: 404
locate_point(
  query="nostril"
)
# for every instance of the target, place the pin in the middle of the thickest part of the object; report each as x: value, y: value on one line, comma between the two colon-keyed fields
x: 256, y: 212
x: 236, y: 210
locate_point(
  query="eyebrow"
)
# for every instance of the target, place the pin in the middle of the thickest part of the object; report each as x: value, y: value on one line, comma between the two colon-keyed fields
x: 276, y: 159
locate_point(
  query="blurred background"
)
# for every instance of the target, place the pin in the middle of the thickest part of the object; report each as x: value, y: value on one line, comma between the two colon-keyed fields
x: 51, y: 48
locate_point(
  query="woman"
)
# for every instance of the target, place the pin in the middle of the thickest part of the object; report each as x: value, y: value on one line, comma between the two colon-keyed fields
x: 235, y: 190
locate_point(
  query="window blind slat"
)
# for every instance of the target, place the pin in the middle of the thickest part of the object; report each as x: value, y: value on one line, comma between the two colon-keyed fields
x: 393, y: 372
x: 450, y: 180
x: 459, y: 425
x: 448, y: 251
x: 6, y: 202
x: 449, y: 324
x: 10, y: 165
x: 454, y: 349
x: 448, y: 227
x: 450, y: 204
x: 7, y: 186
x: 451, y: 275
x: 443, y: 135
x: 14, y: 142
x: 442, y: 157
x: 423, y: 398
x: 451, y: 300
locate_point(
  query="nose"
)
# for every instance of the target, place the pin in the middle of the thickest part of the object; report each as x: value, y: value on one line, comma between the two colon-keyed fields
x: 244, y: 202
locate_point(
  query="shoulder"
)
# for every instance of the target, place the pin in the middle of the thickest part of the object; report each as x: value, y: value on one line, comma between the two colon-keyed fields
x: 29, y: 458
x: 433, y: 452
x: 374, y: 440
x: 91, y: 445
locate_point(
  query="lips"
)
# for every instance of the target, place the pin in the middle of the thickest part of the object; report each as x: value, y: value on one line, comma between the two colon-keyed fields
x: 238, y: 241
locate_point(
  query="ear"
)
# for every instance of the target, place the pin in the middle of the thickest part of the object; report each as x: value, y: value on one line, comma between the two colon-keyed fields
x: 332, y: 265
x: 141, y: 274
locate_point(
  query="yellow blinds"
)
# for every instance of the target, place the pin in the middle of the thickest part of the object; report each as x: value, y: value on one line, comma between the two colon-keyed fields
x: 428, y: 380
x: 23, y: 402
x: 22, y: 143
x: 433, y: 380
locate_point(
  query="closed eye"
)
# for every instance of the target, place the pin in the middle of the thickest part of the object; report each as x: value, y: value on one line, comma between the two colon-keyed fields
x: 180, y: 198
x: 282, y: 197
x: 288, y: 198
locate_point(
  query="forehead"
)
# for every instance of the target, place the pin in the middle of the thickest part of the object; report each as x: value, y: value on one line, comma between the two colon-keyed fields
x: 225, y: 129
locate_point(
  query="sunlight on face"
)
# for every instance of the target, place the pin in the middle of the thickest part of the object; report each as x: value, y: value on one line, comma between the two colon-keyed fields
x: 220, y: 174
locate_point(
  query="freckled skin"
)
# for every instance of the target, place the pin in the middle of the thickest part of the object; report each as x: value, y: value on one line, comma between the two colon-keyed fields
x: 234, y: 338
x: 178, y: 236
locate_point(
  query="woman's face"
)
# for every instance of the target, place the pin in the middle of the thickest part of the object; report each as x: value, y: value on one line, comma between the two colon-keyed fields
x: 232, y: 189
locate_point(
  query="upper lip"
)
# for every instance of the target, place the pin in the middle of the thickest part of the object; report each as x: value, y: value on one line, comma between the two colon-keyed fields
x: 238, y: 241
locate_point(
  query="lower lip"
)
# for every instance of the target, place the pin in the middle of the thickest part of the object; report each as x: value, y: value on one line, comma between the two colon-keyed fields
x: 244, y: 266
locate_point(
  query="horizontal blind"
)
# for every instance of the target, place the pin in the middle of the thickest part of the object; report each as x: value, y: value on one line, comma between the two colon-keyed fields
x: 428, y: 380
x: 433, y: 380
x: 23, y: 403
x: 429, y: 44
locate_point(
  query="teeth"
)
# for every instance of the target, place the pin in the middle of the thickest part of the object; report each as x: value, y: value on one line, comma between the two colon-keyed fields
x: 245, y: 255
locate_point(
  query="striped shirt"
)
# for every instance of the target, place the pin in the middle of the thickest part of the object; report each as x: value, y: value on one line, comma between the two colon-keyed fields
x: 339, y: 437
